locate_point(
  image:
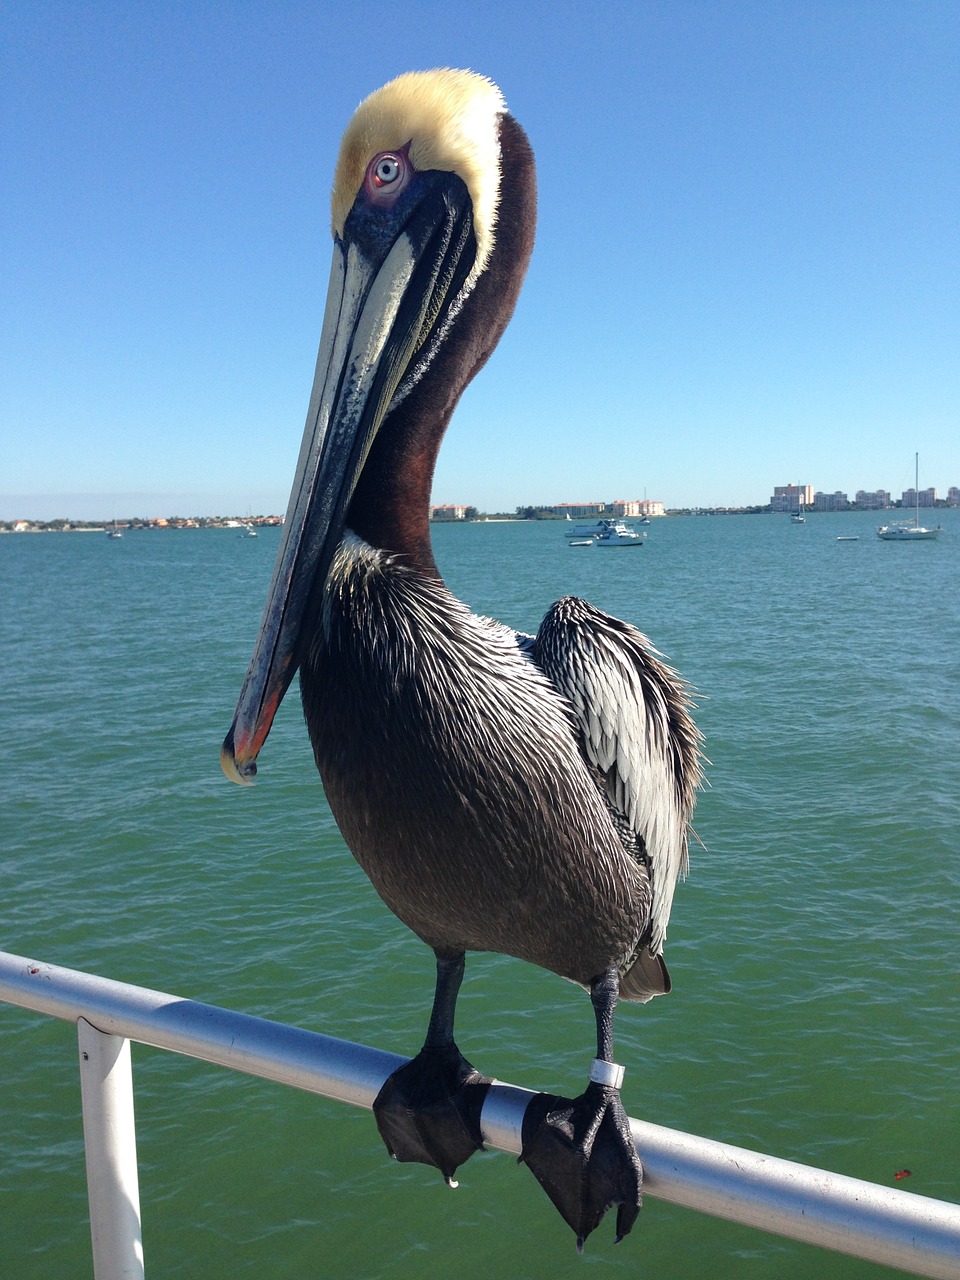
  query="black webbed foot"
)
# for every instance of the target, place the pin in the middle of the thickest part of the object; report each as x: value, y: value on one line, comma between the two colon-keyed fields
x: 582, y: 1153
x: 429, y: 1110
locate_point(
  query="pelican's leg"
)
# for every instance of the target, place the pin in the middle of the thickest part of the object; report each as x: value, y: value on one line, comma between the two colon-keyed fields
x: 581, y: 1150
x: 429, y: 1110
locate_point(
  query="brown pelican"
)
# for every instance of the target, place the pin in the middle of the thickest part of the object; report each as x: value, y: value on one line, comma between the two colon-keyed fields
x: 526, y: 795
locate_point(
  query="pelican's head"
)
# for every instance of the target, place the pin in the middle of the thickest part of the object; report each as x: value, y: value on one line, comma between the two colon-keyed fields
x: 414, y: 211
x: 424, y: 122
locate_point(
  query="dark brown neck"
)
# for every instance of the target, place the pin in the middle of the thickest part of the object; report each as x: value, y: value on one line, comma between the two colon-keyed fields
x: 391, y: 504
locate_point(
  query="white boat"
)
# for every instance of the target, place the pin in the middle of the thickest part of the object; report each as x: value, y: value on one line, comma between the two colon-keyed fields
x: 619, y: 534
x: 907, y: 533
x: 798, y: 517
x: 904, y: 531
x: 595, y: 530
x: 592, y: 530
x: 249, y: 531
x: 114, y: 532
x: 581, y: 542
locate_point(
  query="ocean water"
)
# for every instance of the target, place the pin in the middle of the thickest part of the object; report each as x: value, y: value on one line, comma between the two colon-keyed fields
x: 813, y: 948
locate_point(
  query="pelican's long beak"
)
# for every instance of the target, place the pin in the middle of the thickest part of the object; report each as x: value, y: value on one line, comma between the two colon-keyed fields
x: 390, y: 289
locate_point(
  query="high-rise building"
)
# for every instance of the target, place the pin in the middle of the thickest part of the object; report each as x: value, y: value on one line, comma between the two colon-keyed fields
x: 788, y: 497
x: 928, y: 498
x: 878, y: 500
x: 830, y: 501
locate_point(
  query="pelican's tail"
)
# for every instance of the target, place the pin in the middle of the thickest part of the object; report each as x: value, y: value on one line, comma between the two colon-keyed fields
x: 646, y: 977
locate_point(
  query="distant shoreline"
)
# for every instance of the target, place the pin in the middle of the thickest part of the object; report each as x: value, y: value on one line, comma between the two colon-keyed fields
x: 233, y: 523
x: 136, y: 525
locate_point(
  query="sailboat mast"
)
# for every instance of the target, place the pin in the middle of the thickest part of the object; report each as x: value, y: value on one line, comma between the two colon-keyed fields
x: 916, y: 486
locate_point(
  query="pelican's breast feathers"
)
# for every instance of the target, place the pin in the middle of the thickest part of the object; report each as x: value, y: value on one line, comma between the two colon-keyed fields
x: 633, y: 713
x: 449, y: 120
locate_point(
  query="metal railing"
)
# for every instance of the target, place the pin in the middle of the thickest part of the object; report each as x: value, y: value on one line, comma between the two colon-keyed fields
x: 880, y: 1224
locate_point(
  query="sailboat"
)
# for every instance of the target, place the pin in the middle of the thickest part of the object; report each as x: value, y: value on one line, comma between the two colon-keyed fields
x: 904, y: 531
x: 798, y: 517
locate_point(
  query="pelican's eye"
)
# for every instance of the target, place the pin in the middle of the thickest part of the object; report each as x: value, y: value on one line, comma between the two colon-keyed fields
x: 387, y: 175
x: 386, y: 170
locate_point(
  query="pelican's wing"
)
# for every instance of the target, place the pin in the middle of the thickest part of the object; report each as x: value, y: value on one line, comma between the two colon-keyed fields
x: 633, y: 712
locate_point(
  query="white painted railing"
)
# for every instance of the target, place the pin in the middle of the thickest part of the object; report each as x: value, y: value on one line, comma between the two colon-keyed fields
x: 880, y: 1224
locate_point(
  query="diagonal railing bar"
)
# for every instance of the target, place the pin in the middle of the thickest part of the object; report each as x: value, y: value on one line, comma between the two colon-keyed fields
x: 880, y: 1224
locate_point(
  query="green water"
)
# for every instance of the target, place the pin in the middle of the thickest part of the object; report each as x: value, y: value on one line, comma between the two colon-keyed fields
x: 813, y: 948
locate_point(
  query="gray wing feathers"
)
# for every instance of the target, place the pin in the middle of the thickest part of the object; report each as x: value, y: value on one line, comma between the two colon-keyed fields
x: 633, y: 712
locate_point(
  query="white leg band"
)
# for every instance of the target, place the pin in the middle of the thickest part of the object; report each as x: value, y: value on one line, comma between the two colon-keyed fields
x: 606, y: 1073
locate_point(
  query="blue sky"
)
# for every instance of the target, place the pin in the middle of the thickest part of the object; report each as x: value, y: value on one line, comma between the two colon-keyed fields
x: 746, y: 271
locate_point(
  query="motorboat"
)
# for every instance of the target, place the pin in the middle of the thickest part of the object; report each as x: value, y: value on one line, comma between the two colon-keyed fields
x: 581, y: 530
x: 598, y: 529
x: 619, y: 534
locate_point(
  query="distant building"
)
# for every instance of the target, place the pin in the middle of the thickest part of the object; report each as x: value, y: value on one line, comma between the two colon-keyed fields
x: 787, y: 497
x: 630, y: 508
x: 448, y: 511
x: 879, y: 500
x: 953, y: 496
x: 928, y: 498
x: 578, y: 510
x: 831, y: 501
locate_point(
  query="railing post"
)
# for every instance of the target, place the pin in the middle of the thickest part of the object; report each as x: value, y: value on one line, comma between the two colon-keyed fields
x: 109, y: 1132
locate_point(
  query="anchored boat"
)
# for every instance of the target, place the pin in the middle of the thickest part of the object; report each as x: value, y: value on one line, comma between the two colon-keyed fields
x: 904, y: 531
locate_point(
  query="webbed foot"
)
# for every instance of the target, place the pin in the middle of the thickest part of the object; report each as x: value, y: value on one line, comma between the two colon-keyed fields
x: 582, y: 1153
x: 429, y: 1110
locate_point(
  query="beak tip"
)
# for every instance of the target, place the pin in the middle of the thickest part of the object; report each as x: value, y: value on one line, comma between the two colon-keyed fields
x: 242, y: 772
